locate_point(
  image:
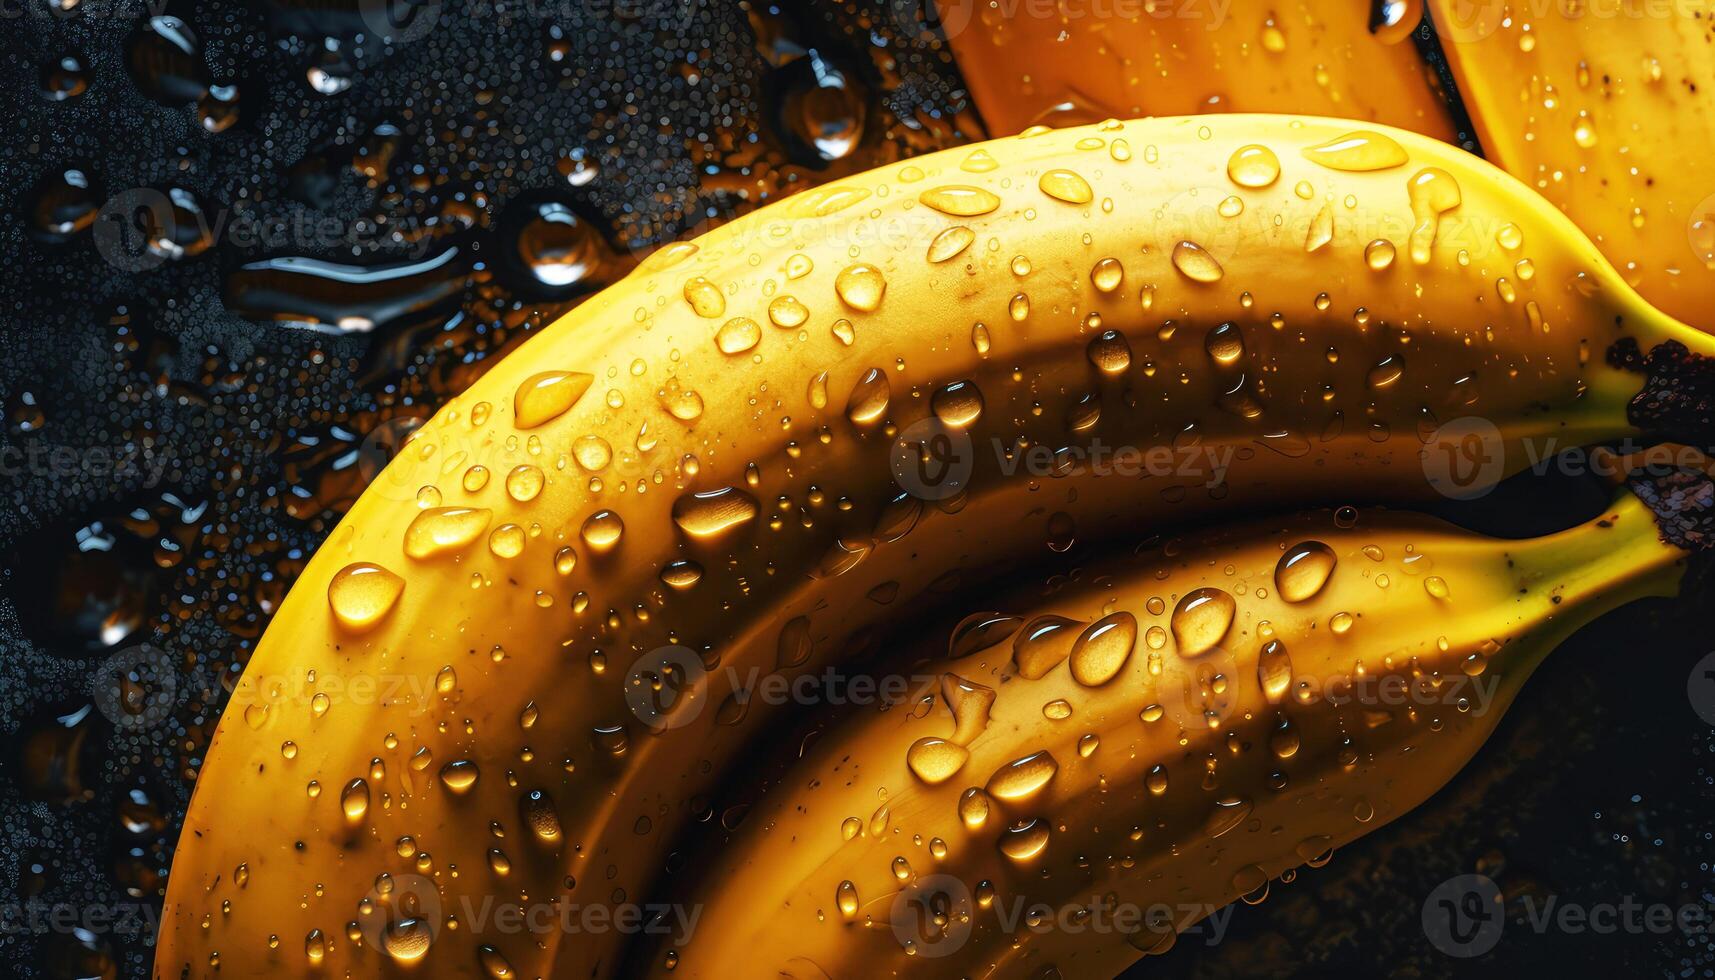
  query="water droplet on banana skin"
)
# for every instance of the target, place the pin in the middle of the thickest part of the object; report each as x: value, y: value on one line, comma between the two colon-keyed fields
x: 407, y: 940
x: 1042, y: 644
x: 705, y: 298
x: 1274, y: 671
x: 861, y: 287
x: 1253, y: 166
x: 1358, y: 152
x: 1156, y: 780
x: 980, y: 631
x: 867, y: 403
x: 1196, y: 264
x: 738, y: 335
x: 950, y: 243
x: 936, y: 760
x: 354, y: 801
x: 602, y: 531
x: 960, y: 201
x: 362, y: 594
x: 1228, y: 813
x: 539, y: 815
x: 959, y: 404
x: 846, y: 897
x: 1386, y: 371
x: 1022, y: 778
x: 459, y: 776
x: 1107, y: 275
x: 1064, y: 185
x: 1110, y: 352
x: 1432, y: 192
x: 494, y: 963
x: 543, y: 397
x: 970, y: 704
x: 974, y: 808
x: 712, y: 513
x: 1201, y: 620
x: 1024, y: 840
x: 444, y: 530
x: 1102, y: 650
x: 1303, y: 570
x: 1225, y: 344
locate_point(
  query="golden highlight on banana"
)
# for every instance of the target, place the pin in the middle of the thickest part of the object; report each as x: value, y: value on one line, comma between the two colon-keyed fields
x: 767, y: 443
x: 1103, y: 764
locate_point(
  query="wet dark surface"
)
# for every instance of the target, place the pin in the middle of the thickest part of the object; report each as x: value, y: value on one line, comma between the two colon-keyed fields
x: 245, y: 250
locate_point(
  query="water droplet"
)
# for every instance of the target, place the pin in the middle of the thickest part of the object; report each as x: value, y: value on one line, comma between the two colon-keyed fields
x: 1253, y: 166
x: 868, y: 401
x: 1110, y: 352
x: 1042, y: 644
x: 974, y: 808
x: 935, y: 760
x: 1107, y: 275
x: 1432, y: 192
x: 705, y: 298
x: 714, y: 512
x: 959, y: 404
x: 546, y: 396
x: 1378, y: 255
x: 1227, y: 814
x: 1201, y: 619
x: 1025, y: 839
x: 536, y: 809
x: 950, y: 242
x: 602, y: 530
x: 1225, y: 344
x: 1321, y: 230
x: 960, y: 201
x: 362, y: 593
x: 459, y: 775
x: 407, y: 940
x: 1156, y: 780
x: 1103, y: 649
x: 1195, y: 263
x: 1359, y: 151
x: 738, y: 335
x: 441, y: 530
x: 525, y: 483
x: 1303, y: 570
x: 1274, y: 671
x: 1064, y: 185
x: 861, y: 287
x: 1436, y: 586
x: 354, y: 801
x: 846, y: 897
x: 1386, y: 372
x: 1022, y: 778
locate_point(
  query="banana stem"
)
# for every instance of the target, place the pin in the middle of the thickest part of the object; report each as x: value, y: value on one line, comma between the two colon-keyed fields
x: 1602, y: 564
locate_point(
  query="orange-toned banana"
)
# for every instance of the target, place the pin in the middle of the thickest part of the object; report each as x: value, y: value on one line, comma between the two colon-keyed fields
x: 1604, y: 107
x: 1122, y: 756
x: 819, y: 419
x: 1062, y: 62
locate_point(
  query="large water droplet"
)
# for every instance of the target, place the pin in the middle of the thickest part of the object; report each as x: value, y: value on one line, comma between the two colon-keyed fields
x: 546, y: 396
x: 1103, y: 649
x: 1303, y: 570
x: 362, y: 593
x: 1201, y: 620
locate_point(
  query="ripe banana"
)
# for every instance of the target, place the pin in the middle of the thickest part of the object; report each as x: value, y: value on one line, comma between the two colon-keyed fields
x: 1149, y: 744
x: 1093, y: 60
x: 1604, y: 108
x: 1252, y: 310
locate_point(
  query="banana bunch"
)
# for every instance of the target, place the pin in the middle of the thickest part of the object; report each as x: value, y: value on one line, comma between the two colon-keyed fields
x: 516, y: 671
x: 1124, y: 756
x: 1601, y: 106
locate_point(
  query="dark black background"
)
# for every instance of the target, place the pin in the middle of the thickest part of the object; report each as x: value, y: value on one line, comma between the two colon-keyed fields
x: 172, y: 450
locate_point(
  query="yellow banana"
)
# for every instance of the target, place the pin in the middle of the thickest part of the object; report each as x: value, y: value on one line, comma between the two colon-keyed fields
x: 1029, y: 62
x: 1150, y: 744
x: 1603, y: 107
x: 1077, y: 334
